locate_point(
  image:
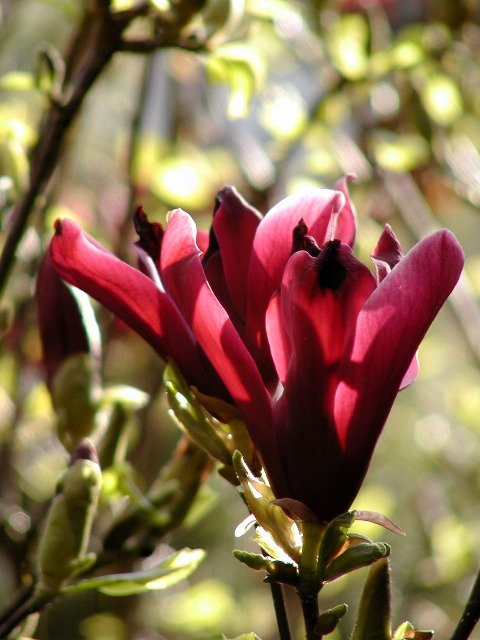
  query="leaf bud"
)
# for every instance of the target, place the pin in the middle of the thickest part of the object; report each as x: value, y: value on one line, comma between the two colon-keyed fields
x: 328, y: 620
x: 355, y: 557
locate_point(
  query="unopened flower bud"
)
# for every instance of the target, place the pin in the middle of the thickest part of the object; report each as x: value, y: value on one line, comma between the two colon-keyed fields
x: 65, y: 320
x: 66, y: 533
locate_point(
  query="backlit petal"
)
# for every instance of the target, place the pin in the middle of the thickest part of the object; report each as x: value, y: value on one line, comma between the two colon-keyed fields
x: 130, y: 295
x: 389, y: 330
x: 184, y: 279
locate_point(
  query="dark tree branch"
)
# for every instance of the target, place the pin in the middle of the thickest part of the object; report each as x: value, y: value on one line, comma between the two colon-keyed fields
x: 471, y: 614
x: 99, y: 37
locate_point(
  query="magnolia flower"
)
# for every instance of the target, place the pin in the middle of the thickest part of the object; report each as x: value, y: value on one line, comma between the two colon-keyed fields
x: 276, y: 315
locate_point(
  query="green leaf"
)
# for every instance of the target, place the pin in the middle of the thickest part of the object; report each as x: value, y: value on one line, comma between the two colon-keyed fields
x: 173, y: 569
x: 242, y: 69
x: 374, y: 614
x: 360, y: 555
x: 253, y: 560
x: 277, y: 570
x: 333, y: 539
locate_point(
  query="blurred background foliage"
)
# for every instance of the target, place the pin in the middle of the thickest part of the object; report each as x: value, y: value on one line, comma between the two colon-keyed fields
x: 285, y: 94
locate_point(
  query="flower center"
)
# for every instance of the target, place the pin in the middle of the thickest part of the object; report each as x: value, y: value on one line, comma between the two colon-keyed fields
x: 331, y: 272
x: 303, y: 242
x: 150, y: 234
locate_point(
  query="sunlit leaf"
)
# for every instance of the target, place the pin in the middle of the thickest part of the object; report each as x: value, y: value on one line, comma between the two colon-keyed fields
x: 192, y: 416
x: 355, y: 557
x: 175, y: 568
x: 242, y: 69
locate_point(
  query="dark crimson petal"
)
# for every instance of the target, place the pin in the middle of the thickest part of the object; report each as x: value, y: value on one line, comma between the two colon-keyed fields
x: 389, y: 330
x: 387, y: 253
x: 215, y: 274
x: 301, y: 241
x: 134, y: 298
x: 150, y: 234
x: 271, y: 250
x: 184, y: 278
x: 311, y: 330
x: 66, y: 326
x: 234, y: 226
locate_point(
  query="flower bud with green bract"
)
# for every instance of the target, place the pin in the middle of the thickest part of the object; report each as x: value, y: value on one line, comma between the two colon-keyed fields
x: 276, y: 315
x: 66, y: 322
x: 71, y: 346
x: 66, y: 531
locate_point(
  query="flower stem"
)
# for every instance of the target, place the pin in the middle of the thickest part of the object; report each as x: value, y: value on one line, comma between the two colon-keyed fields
x: 280, y: 611
x: 471, y: 614
x: 308, y: 584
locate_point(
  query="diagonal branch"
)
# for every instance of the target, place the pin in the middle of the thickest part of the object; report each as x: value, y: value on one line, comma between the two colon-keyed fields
x: 102, y: 32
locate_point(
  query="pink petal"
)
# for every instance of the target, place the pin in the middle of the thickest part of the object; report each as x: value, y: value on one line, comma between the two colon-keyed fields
x: 387, y: 253
x: 131, y: 296
x: 64, y: 330
x: 309, y: 326
x: 346, y: 227
x: 412, y: 373
x: 311, y: 330
x: 389, y: 330
x: 235, y: 223
x: 272, y: 248
x: 202, y: 239
x: 184, y: 278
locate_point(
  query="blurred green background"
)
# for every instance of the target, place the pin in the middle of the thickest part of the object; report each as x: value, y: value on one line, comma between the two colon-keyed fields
x: 289, y: 94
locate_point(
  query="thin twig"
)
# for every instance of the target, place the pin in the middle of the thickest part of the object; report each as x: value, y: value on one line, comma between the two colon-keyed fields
x: 58, y: 120
x: 104, y: 37
x: 35, y: 603
x: 471, y: 614
x: 278, y: 598
x: 21, y: 596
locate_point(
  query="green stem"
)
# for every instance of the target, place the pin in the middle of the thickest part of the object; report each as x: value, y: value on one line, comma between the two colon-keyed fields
x: 308, y: 584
